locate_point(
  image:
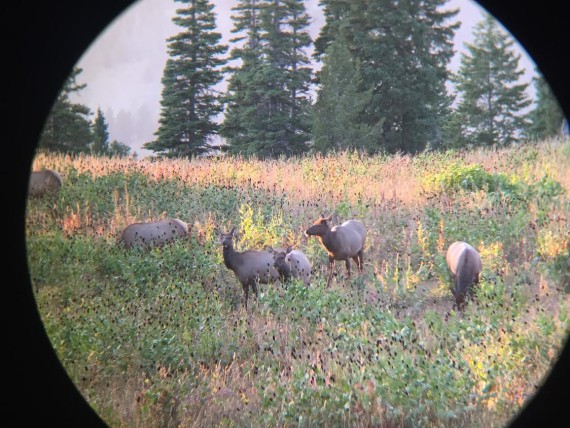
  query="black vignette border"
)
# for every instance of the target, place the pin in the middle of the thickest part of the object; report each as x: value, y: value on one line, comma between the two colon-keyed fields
x: 41, y: 43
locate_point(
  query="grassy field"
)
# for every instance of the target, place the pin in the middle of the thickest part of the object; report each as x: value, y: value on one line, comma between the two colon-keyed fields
x: 161, y: 338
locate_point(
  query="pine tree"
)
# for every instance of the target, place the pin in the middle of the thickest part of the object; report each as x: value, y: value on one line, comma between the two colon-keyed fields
x: 337, y: 15
x: 340, y: 104
x: 243, y: 96
x: 189, y: 103
x: 67, y: 128
x: 491, y: 100
x: 119, y: 149
x: 402, y: 49
x: 547, y: 116
x: 267, y: 111
x: 453, y: 131
x: 100, y: 132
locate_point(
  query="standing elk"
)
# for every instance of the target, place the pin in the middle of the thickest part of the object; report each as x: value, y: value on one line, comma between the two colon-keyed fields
x: 250, y: 267
x: 464, y: 261
x: 342, y: 242
x: 150, y: 233
x: 292, y: 263
x: 44, y: 181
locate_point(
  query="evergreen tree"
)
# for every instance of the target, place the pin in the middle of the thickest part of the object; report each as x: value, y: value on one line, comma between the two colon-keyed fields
x: 243, y: 97
x: 547, y: 116
x: 491, y: 100
x: 100, y: 145
x: 340, y: 104
x: 337, y: 15
x: 119, y: 149
x: 67, y: 128
x: 189, y: 103
x: 268, y: 106
x: 453, y: 131
x: 402, y: 48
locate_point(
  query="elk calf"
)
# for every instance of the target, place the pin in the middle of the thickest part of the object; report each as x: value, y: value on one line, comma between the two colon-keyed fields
x: 292, y: 263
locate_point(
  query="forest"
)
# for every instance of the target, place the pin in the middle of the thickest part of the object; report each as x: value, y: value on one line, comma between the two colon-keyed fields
x: 384, y: 85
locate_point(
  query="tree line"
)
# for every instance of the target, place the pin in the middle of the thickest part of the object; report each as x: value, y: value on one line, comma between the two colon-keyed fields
x: 68, y: 128
x: 384, y: 85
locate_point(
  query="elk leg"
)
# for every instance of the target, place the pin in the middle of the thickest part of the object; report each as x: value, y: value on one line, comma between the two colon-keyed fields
x: 246, y: 294
x: 358, y: 260
x: 347, y: 262
x: 355, y: 258
x: 254, y: 288
x: 360, y: 257
x: 331, y: 270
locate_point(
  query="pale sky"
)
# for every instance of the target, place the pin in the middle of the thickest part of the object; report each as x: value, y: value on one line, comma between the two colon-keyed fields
x: 123, y: 67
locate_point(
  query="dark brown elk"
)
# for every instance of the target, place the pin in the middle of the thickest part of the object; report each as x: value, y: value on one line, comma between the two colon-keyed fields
x: 292, y: 264
x: 250, y: 267
x: 464, y: 261
x: 43, y: 182
x: 146, y: 234
x: 342, y: 242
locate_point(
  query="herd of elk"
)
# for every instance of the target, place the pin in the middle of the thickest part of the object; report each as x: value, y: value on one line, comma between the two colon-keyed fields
x: 252, y: 267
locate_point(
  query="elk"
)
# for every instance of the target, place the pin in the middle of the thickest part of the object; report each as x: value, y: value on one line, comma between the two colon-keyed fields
x: 342, y: 242
x: 44, y: 181
x: 292, y: 263
x: 150, y: 233
x: 250, y: 267
x: 465, y: 264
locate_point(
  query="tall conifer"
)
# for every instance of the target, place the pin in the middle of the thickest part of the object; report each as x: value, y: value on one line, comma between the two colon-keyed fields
x: 492, y: 102
x: 67, y: 128
x: 100, y: 130
x: 340, y: 105
x: 547, y: 116
x: 402, y: 49
x: 189, y: 103
x: 267, y: 111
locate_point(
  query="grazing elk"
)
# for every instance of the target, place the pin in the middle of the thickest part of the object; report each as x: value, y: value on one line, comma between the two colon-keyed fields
x: 250, y: 267
x: 150, y: 233
x: 292, y: 263
x: 44, y: 181
x: 342, y: 242
x: 465, y: 264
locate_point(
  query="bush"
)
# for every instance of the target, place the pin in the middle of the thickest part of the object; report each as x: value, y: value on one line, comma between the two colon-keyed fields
x: 456, y: 177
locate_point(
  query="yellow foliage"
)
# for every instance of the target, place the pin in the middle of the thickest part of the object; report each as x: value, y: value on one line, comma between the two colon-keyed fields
x: 550, y: 245
x: 492, y: 256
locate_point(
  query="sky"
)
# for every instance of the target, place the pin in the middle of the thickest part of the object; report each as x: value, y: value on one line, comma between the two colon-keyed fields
x: 123, y: 66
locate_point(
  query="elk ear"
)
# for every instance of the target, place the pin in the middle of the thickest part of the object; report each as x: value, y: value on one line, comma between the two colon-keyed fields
x: 288, y: 250
x: 269, y: 249
x: 233, y: 231
x: 329, y: 218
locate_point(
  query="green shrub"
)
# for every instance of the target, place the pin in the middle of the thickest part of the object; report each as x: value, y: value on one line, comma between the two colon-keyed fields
x: 457, y: 177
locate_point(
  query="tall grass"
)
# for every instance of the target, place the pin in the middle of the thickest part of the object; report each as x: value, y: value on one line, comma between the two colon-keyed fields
x: 159, y: 337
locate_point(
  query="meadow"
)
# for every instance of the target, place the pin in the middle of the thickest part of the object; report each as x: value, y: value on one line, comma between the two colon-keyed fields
x: 160, y: 337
